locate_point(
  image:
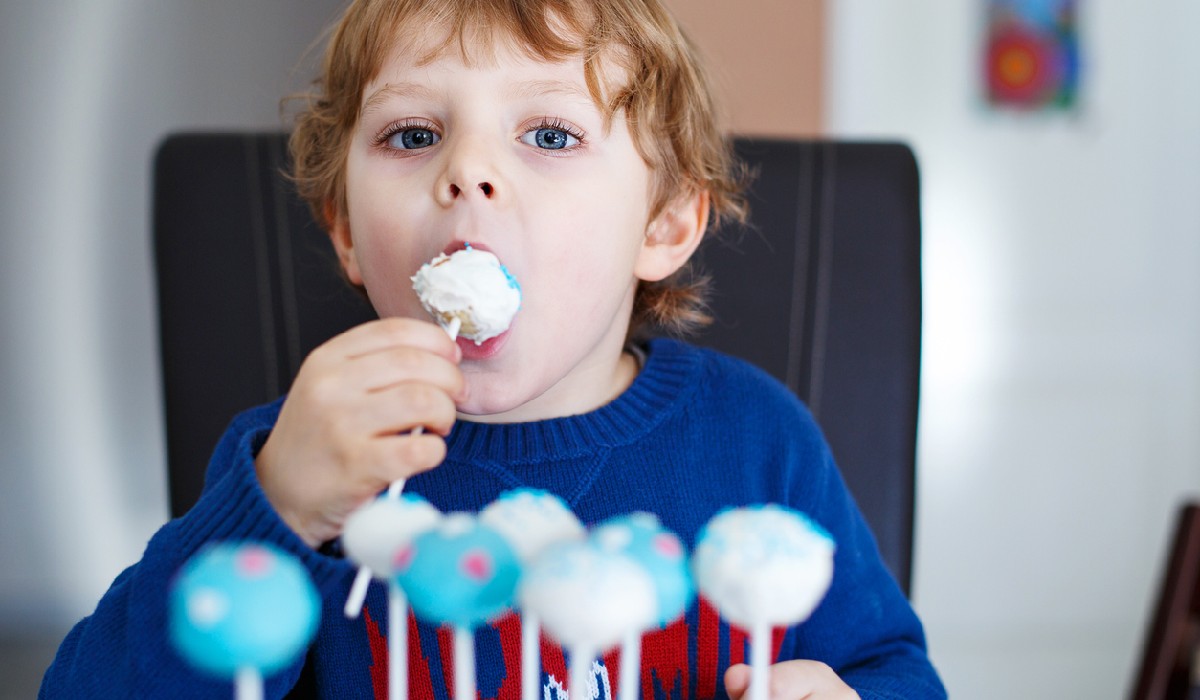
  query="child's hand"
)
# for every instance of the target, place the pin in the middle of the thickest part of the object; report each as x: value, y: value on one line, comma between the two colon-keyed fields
x: 792, y: 680
x: 344, y: 430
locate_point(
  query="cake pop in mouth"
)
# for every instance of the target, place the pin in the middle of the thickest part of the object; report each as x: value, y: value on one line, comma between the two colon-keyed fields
x: 469, y: 288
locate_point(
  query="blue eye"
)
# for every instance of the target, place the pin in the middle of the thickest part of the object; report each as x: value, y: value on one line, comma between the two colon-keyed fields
x: 410, y: 139
x: 549, y: 138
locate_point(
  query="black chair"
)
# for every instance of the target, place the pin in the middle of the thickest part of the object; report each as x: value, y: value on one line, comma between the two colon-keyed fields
x: 823, y: 290
x: 1170, y: 656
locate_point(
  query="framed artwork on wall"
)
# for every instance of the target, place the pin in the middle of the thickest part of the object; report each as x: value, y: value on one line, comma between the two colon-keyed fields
x: 1031, y: 55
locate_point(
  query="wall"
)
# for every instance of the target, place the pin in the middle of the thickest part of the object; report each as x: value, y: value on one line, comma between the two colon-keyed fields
x: 90, y: 87
x: 1061, y: 385
x: 766, y: 57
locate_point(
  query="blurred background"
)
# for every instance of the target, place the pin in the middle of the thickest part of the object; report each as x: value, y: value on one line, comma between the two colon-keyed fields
x: 1061, y: 379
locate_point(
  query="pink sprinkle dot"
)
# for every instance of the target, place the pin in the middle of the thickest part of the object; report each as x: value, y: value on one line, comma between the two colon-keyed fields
x: 667, y: 546
x: 254, y: 562
x: 403, y: 559
x: 476, y: 564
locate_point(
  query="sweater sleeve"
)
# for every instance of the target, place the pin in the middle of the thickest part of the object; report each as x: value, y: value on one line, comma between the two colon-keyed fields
x: 121, y: 650
x: 865, y: 628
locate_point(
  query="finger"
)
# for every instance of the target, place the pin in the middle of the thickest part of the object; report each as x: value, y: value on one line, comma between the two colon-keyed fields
x: 402, y: 456
x: 386, y: 368
x: 737, y: 680
x: 401, y: 408
x: 385, y: 333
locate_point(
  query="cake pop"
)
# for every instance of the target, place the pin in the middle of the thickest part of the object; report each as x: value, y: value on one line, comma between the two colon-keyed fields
x: 588, y: 600
x: 242, y: 611
x: 462, y: 574
x: 469, y: 285
x: 642, y: 538
x: 372, y: 536
x: 531, y: 520
x: 763, y: 566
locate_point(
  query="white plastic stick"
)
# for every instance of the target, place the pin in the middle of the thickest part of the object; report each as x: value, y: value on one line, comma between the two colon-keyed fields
x: 397, y: 486
x: 464, y: 663
x: 631, y: 665
x: 358, y: 592
x: 579, y: 686
x: 248, y: 684
x: 760, y: 660
x: 397, y: 642
x: 531, y: 662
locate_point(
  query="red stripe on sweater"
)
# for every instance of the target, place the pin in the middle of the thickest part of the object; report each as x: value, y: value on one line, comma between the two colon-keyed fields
x: 708, y: 648
x: 665, y: 656
x: 379, y: 656
x: 509, y: 628
x: 445, y: 637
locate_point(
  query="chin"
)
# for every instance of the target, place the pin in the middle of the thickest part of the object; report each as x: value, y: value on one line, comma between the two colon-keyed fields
x: 490, y: 402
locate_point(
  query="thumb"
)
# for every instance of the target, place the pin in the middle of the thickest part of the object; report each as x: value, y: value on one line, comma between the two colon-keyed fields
x: 737, y: 679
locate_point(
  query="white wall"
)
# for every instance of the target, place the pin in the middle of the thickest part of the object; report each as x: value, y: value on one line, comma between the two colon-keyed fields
x: 1061, y: 391
x: 89, y: 88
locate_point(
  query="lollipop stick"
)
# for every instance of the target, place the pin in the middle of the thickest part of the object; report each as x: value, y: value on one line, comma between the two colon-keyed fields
x: 397, y: 643
x: 631, y: 665
x: 464, y: 663
x: 248, y: 684
x: 531, y: 666
x: 579, y: 686
x: 760, y: 660
x: 358, y: 592
x: 451, y: 329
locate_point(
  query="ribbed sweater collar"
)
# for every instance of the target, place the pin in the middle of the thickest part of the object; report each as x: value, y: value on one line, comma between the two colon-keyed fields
x: 668, y: 376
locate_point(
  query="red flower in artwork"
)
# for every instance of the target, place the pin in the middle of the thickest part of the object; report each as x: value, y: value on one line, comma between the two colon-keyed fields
x: 1023, y: 66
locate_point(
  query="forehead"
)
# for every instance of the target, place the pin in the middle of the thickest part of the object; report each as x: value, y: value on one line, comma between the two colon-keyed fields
x: 557, y: 44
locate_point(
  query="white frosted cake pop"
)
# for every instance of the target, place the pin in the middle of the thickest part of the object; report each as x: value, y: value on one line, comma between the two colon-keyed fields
x: 471, y: 286
x: 531, y: 520
x: 377, y: 530
x: 372, y: 537
x: 588, y: 600
x: 763, y: 564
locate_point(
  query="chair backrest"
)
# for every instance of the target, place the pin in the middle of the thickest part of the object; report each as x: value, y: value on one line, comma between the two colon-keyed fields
x: 822, y: 290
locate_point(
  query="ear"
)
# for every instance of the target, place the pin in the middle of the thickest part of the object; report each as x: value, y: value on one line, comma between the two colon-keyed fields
x: 343, y: 243
x: 672, y: 237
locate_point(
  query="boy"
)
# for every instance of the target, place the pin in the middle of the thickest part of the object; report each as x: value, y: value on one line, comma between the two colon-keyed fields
x: 576, y: 141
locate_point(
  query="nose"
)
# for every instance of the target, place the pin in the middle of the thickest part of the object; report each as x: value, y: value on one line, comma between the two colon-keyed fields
x: 470, y: 174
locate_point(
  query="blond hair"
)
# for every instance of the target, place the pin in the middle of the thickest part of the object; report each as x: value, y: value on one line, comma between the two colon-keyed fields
x: 666, y: 99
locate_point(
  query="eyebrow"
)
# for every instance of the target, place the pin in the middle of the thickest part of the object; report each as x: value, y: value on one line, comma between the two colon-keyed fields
x: 394, y: 90
x: 541, y: 88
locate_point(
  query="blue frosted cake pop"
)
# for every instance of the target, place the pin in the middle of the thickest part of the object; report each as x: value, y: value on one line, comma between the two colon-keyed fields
x: 238, y: 606
x: 642, y: 538
x: 459, y: 573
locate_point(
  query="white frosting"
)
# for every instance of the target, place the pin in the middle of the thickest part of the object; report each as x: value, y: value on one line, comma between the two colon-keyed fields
x: 472, y: 286
x: 531, y: 521
x: 376, y: 531
x: 587, y: 598
x: 763, y: 565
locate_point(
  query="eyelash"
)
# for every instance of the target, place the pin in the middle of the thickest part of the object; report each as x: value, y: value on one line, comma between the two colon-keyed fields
x: 396, y: 127
x: 556, y: 123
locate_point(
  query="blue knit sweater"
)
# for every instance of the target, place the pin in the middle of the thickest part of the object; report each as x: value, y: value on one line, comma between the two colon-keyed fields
x: 696, y: 432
